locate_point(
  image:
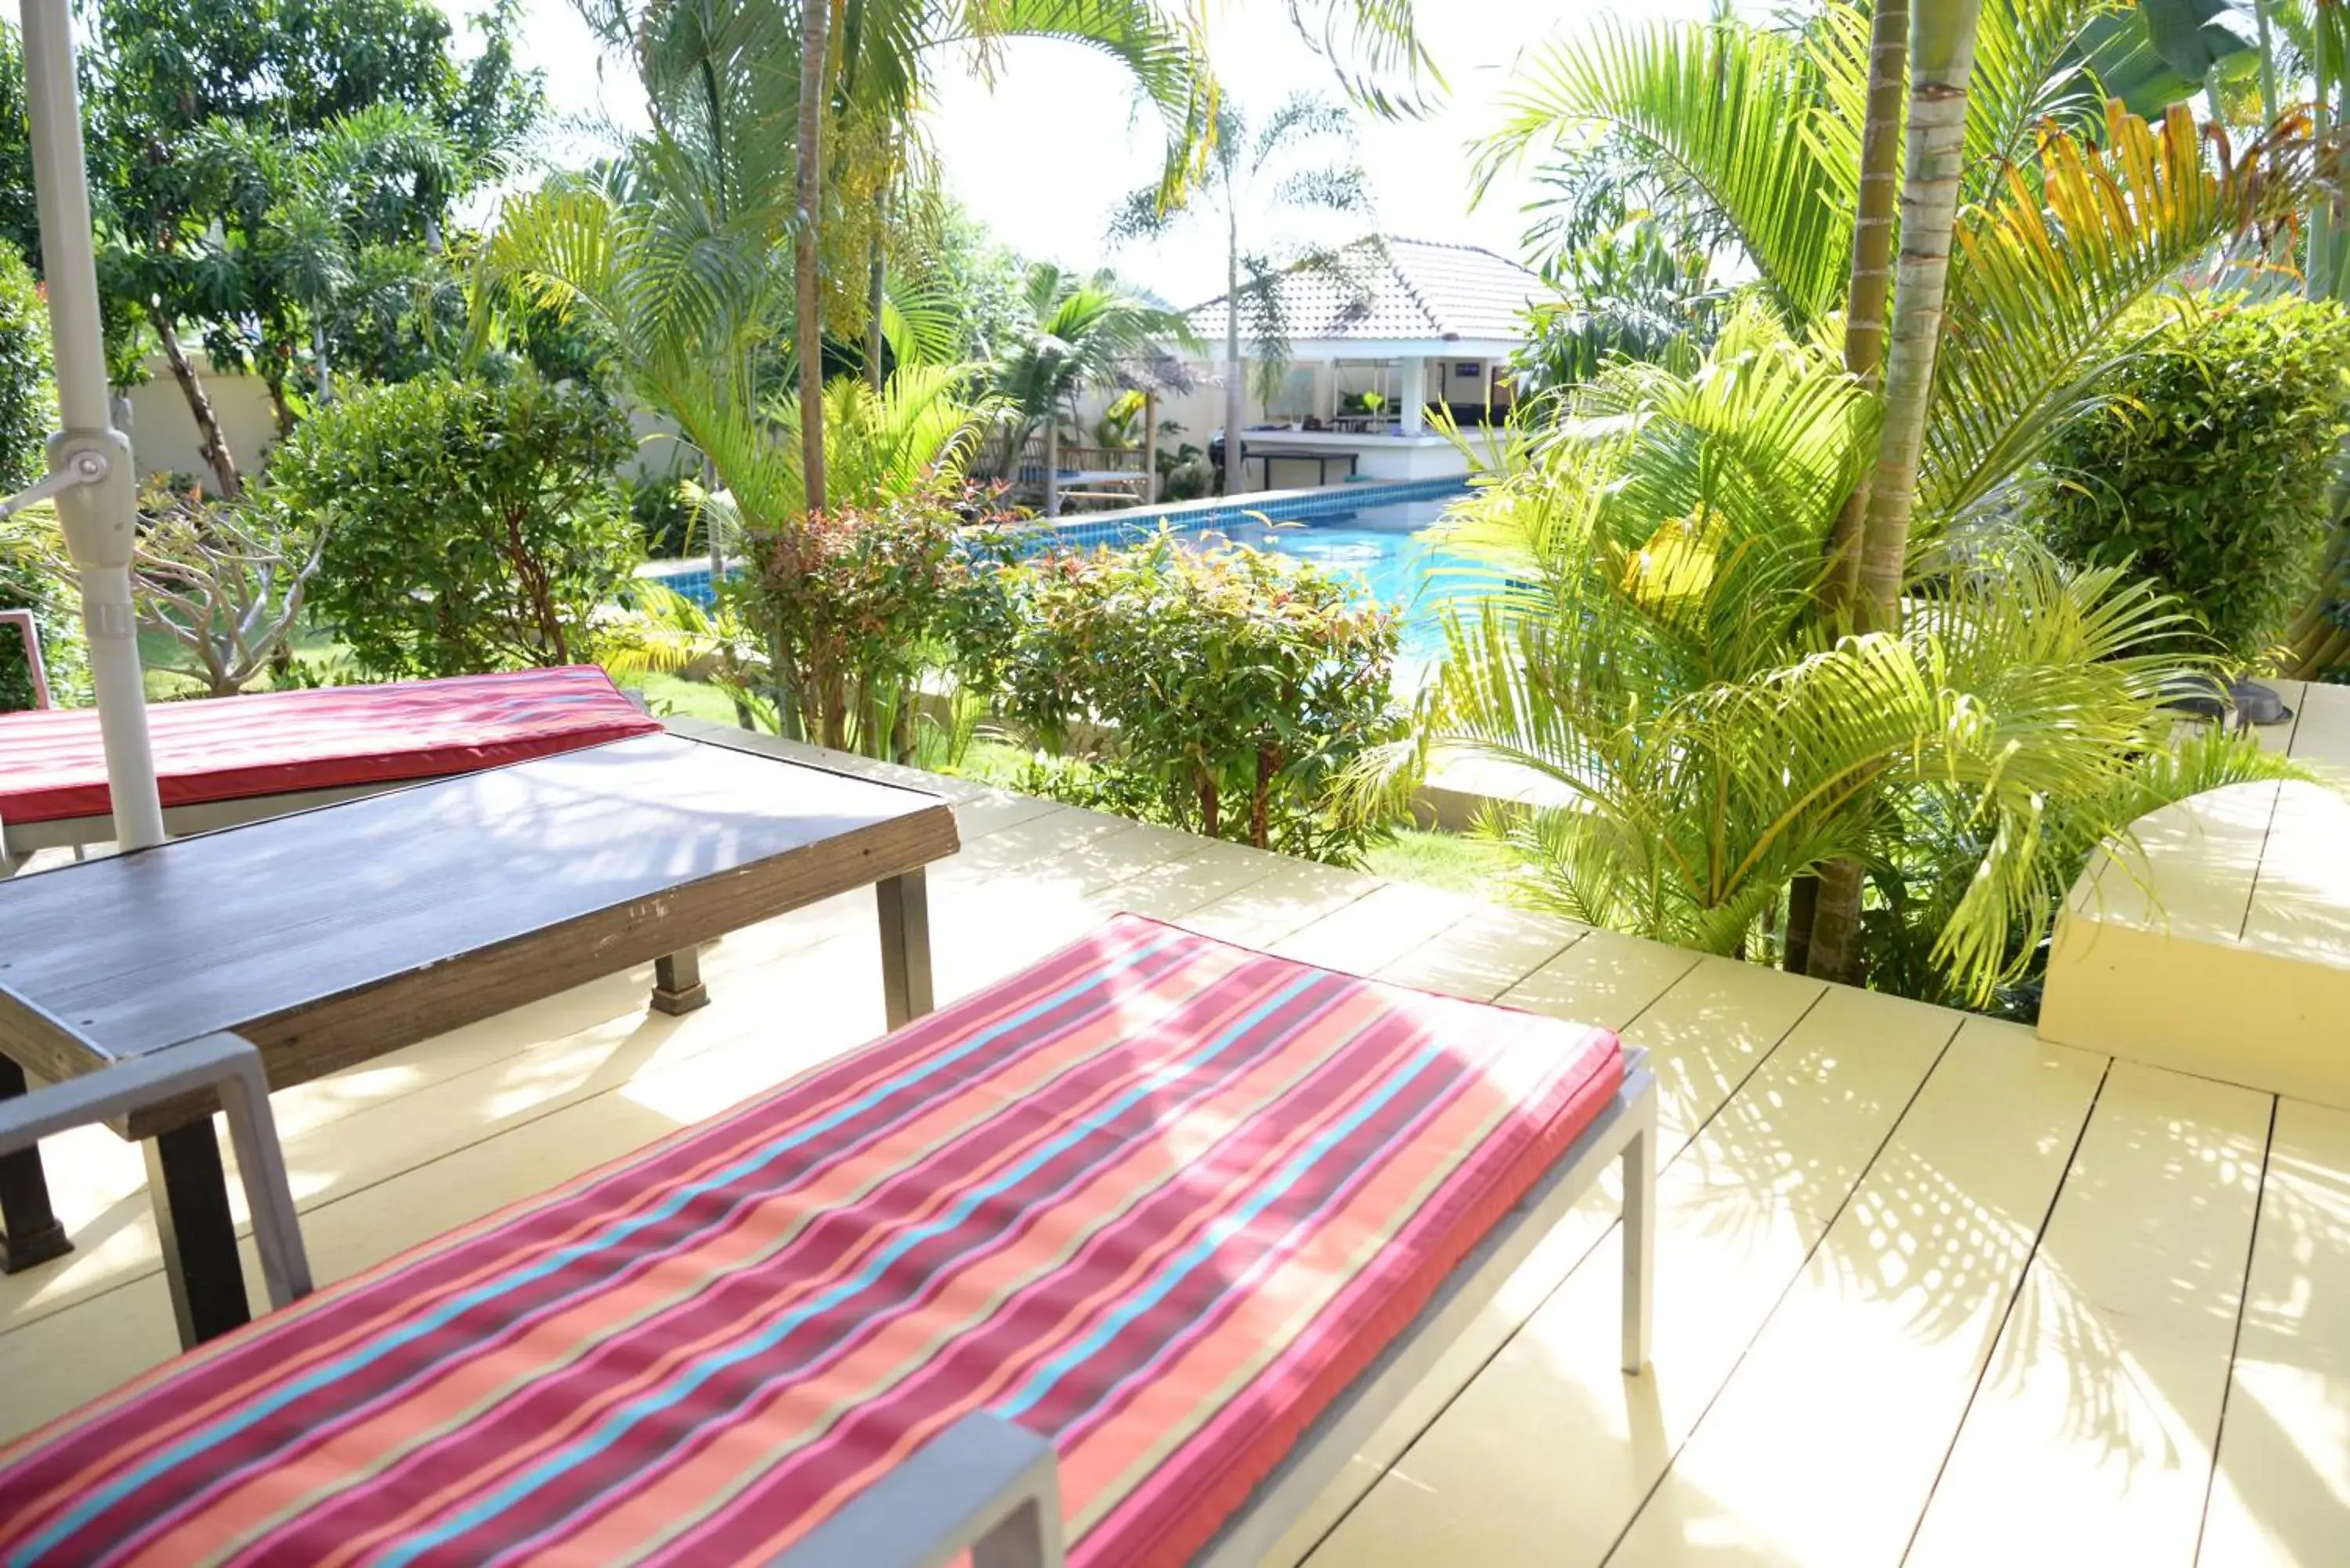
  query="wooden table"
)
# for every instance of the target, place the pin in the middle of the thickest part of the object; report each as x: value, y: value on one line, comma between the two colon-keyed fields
x: 334, y: 936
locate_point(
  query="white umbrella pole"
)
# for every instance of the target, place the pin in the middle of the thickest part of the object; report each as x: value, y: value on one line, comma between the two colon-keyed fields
x: 98, y: 506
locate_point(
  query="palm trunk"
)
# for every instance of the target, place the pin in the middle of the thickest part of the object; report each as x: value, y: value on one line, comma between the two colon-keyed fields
x: 1871, y: 288
x: 215, y: 449
x: 2270, y: 105
x: 1233, y: 389
x: 877, y: 283
x: 808, y: 329
x: 877, y: 286
x: 1941, y: 61
x: 2319, y: 284
x: 1870, y: 292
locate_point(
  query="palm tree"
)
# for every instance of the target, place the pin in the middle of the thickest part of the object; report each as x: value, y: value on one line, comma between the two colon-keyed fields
x: 807, y: 285
x: 747, y: 95
x: 2057, y: 236
x: 1082, y: 329
x: 1300, y: 159
x: 1867, y: 296
x: 1941, y: 61
x: 1651, y: 647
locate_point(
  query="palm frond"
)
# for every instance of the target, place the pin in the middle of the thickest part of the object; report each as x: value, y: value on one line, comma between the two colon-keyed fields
x: 2047, y: 269
x: 1725, y: 110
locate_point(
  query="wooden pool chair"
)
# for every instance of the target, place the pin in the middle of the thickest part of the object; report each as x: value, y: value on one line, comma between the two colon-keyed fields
x: 225, y: 760
x: 1117, y: 1262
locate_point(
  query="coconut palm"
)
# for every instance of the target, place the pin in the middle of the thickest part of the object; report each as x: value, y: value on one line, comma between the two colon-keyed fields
x: 2015, y: 273
x: 747, y: 95
x: 1650, y: 646
x: 1082, y: 327
x: 1300, y: 159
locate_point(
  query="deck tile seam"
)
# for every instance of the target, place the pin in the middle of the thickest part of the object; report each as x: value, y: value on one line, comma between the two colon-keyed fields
x: 2260, y: 862
x: 2236, y: 1340
x: 1597, y: 1240
x: 1794, y: 1277
x: 1691, y: 967
x: 2007, y: 1314
x: 1270, y: 939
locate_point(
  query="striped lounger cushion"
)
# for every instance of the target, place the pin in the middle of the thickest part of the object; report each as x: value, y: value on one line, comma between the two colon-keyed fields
x: 53, y: 768
x: 1158, y: 1199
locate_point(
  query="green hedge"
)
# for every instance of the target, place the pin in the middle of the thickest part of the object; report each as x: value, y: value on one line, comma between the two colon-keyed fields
x: 471, y: 525
x: 1220, y: 690
x: 2210, y: 462
x: 27, y: 415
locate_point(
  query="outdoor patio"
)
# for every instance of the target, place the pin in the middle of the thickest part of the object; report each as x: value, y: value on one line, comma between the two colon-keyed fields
x: 1930, y: 1289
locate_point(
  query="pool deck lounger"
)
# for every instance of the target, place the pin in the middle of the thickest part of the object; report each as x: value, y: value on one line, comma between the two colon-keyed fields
x: 220, y: 760
x: 1115, y: 1263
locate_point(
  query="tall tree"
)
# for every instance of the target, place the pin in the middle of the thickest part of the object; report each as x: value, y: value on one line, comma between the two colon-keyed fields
x: 2064, y: 233
x: 762, y: 110
x: 1299, y: 160
x: 1941, y: 61
x: 807, y: 327
x: 207, y: 114
x: 1867, y: 295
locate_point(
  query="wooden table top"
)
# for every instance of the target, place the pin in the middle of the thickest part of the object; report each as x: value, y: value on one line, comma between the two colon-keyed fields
x: 336, y: 934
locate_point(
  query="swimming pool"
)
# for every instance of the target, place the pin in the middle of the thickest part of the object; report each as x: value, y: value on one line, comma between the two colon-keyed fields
x: 1379, y: 547
x: 1370, y: 537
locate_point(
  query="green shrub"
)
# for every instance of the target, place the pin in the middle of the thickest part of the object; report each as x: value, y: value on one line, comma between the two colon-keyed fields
x: 1218, y: 691
x: 28, y: 404
x: 2209, y: 464
x: 854, y: 603
x: 665, y: 515
x: 469, y: 525
x: 1185, y: 475
x: 27, y: 414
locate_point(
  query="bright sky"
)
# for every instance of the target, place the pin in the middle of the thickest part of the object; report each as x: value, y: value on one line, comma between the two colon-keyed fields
x: 1044, y: 154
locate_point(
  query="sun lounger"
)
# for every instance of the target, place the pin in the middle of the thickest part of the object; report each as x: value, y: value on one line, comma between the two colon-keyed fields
x: 1130, y: 1251
x: 223, y: 761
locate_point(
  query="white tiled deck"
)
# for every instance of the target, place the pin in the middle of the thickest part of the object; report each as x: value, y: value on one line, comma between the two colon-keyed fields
x: 1930, y: 1289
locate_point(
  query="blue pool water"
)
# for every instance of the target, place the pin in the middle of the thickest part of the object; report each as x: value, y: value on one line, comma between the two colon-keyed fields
x: 1377, y: 545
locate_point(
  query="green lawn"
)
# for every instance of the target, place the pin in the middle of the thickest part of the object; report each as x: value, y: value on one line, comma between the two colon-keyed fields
x: 1446, y: 860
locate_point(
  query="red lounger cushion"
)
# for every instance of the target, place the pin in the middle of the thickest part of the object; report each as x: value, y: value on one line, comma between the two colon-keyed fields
x: 1158, y: 1199
x: 280, y: 743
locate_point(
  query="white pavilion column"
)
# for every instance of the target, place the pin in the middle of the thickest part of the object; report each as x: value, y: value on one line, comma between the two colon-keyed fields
x: 1414, y: 392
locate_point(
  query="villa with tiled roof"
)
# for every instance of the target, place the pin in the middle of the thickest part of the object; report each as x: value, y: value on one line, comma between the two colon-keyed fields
x: 1400, y: 327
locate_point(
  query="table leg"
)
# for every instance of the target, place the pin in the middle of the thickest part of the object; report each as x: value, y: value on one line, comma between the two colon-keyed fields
x: 905, y: 902
x: 29, y: 1231
x: 190, y: 1190
x: 677, y: 982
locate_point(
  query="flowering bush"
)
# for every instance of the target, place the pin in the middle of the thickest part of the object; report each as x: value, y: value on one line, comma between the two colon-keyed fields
x: 1220, y: 690
x: 853, y: 605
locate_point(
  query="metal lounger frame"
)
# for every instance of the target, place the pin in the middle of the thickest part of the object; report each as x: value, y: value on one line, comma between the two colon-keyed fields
x: 985, y: 1485
x: 989, y: 1487
x: 230, y: 1068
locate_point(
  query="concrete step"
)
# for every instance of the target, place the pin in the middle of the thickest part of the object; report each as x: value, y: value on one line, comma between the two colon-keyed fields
x: 2220, y: 945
